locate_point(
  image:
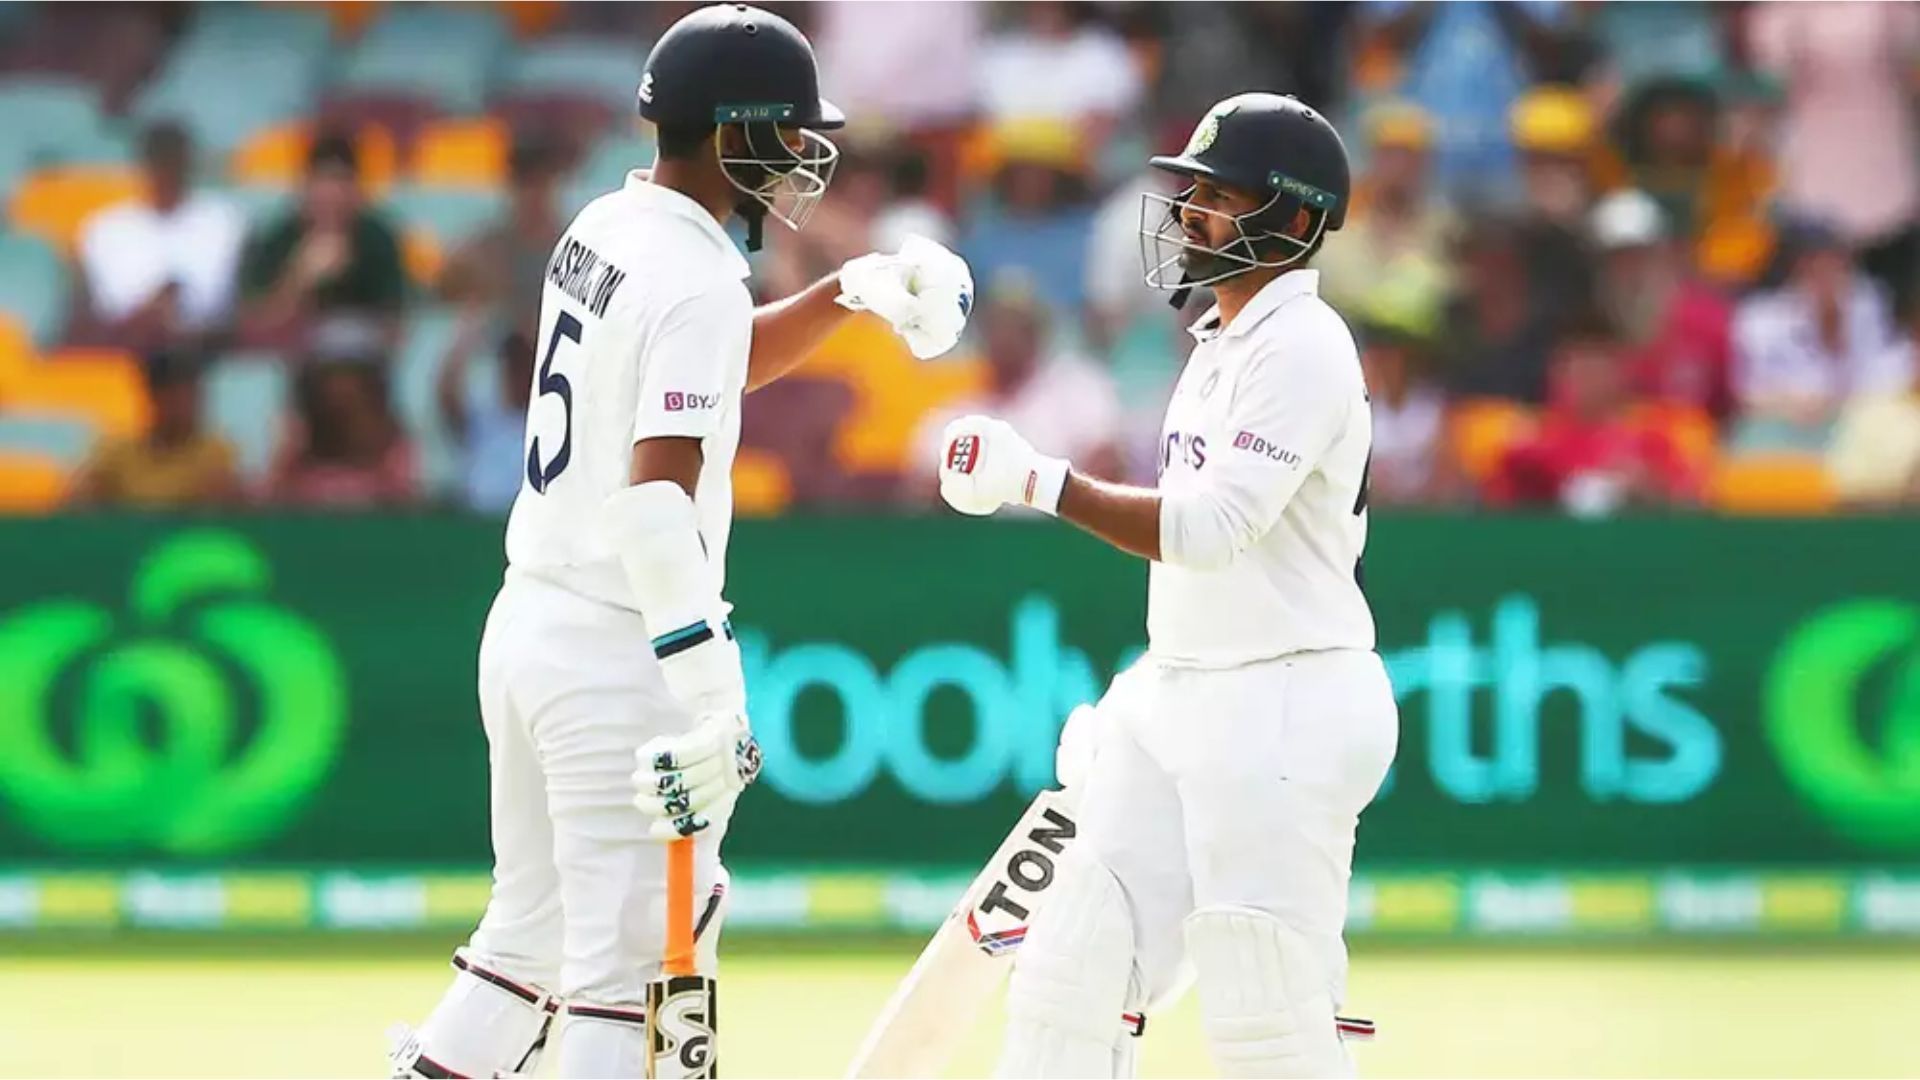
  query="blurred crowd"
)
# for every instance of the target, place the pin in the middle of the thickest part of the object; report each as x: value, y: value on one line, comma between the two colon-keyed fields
x: 1601, y: 255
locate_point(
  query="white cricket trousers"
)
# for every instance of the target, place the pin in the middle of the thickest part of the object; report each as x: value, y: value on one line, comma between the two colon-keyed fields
x: 569, y: 690
x: 1241, y: 786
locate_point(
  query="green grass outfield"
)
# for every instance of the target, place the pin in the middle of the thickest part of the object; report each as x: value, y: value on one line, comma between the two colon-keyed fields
x: 265, y: 1007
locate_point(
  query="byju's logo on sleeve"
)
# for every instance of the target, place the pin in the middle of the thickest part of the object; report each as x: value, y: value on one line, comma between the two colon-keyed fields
x: 679, y: 401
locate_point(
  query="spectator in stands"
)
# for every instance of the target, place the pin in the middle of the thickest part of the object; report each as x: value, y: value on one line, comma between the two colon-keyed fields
x: 329, y: 257
x: 1209, y: 52
x: 1396, y: 241
x: 1703, y: 152
x: 488, y: 423
x: 502, y: 268
x: 1554, y: 129
x: 1067, y: 402
x: 910, y: 208
x: 343, y: 447
x: 1591, y: 455
x: 878, y: 201
x: 1850, y: 154
x: 1497, y: 342
x: 1410, y: 464
x: 1674, y: 328
x: 1802, y: 349
x: 1037, y: 220
x: 177, y: 463
x: 1057, y: 61
x: 1875, y: 457
x: 1467, y: 62
x: 160, y: 269
x: 910, y: 66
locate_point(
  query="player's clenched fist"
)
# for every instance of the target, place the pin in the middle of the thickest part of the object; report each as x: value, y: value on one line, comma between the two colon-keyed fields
x: 924, y: 291
x: 985, y: 464
x: 685, y: 782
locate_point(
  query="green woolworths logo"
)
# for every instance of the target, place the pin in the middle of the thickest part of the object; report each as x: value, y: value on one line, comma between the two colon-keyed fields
x: 1861, y: 772
x: 131, y: 736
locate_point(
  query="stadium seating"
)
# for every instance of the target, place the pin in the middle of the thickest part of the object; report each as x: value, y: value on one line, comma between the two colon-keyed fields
x: 1779, y: 483
x: 31, y: 483
x: 584, y: 69
x: 242, y: 68
x: 53, y: 437
x: 54, y: 204
x: 1479, y: 431
x: 462, y: 154
x: 276, y: 156
x: 450, y: 216
x: 243, y: 398
x: 441, y: 53
x: 416, y: 365
x: 102, y: 388
x: 33, y: 287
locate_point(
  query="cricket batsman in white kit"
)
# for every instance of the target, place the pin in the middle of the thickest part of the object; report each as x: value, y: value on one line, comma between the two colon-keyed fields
x: 1231, y: 763
x: 608, y: 642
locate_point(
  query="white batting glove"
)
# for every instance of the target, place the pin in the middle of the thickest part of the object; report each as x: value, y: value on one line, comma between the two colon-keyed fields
x: 924, y: 291
x: 686, y: 782
x: 985, y: 464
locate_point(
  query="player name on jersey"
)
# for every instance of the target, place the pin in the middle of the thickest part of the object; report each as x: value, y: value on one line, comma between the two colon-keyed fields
x: 581, y: 273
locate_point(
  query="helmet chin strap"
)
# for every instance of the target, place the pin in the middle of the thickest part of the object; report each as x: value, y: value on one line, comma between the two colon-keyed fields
x: 755, y: 215
x: 1178, y: 298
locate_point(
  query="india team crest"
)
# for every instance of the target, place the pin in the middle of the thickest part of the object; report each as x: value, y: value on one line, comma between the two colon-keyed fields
x: 1208, y: 129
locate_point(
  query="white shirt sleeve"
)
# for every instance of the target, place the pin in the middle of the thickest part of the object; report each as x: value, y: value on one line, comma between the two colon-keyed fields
x: 686, y: 372
x: 1284, y: 417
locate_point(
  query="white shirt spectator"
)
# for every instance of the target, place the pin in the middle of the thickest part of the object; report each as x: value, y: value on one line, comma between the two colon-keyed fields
x: 908, y: 64
x: 1406, y: 445
x: 1089, y: 72
x: 1779, y: 353
x: 1116, y: 286
x: 909, y: 217
x: 131, y: 251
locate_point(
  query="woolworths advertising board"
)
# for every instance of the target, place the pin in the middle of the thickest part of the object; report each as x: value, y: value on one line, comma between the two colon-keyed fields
x: 1635, y: 727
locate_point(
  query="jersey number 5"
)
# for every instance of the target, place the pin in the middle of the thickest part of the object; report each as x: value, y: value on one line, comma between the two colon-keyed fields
x: 552, y: 382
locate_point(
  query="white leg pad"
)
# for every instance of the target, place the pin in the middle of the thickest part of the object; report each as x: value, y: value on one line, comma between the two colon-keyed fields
x: 1071, y: 979
x: 487, y: 1024
x: 1265, y: 1003
x: 604, y: 1041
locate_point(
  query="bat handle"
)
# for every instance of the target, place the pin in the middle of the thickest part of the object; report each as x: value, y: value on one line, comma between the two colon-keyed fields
x: 679, y: 957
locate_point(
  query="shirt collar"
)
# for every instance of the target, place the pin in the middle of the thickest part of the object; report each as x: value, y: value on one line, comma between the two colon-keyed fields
x: 1264, y: 303
x: 666, y: 200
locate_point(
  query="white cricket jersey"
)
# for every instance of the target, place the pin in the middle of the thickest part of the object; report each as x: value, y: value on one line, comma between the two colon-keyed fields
x: 1269, y: 431
x: 645, y: 324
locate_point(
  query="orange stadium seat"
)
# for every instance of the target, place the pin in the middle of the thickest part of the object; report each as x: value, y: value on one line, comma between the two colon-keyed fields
x: 462, y: 153
x: 893, y: 392
x: 277, y: 157
x: 423, y: 256
x: 762, y: 486
x: 31, y: 484
x: 1771, y: 484
x: 348, y: 17
x: 105, y: 386
x: 1693, y: 432
x: 531, y: 18
x: 1479, y: 431
x: 54, y: 204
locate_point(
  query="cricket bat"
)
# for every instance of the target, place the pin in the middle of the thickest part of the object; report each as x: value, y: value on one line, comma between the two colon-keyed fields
x: 934, y: 1008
